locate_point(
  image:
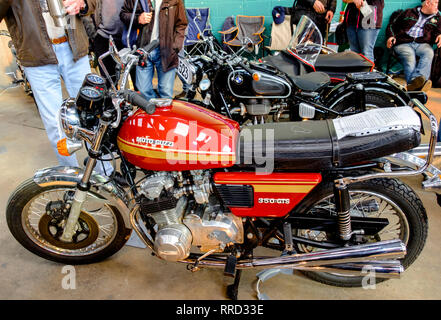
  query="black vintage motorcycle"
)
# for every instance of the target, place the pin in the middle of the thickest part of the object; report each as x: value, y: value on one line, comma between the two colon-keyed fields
x: 196, y: 194
x: 287, y: 83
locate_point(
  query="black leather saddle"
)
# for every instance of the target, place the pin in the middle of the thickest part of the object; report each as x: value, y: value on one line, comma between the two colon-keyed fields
x: 341, y: 63
x: 291, y: 67
x: 314, y: 146
x: 283, y: 62
x: 313, y: 81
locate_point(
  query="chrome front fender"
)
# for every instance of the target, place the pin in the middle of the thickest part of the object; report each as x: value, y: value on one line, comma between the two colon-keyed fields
x: 70, y: 176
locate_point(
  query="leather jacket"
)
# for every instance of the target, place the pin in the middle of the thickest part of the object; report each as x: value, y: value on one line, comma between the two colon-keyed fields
x: 406, y: 20
x: 29, y: 35
x: 173, y: 23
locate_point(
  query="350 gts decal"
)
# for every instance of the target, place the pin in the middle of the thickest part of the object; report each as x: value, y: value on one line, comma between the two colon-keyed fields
x: 273, y: 201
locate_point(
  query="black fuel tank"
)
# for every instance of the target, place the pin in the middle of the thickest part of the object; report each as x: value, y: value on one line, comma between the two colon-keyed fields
x: 269, y: 85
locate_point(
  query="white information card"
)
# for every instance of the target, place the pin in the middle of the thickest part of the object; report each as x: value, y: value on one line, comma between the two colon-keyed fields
x: 377, y: 120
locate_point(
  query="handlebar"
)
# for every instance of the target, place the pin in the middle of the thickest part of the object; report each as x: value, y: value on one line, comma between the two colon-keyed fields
x: 251, y: 72
x: 138, y: 100
x: 151, y: 46
x: 144, y: 52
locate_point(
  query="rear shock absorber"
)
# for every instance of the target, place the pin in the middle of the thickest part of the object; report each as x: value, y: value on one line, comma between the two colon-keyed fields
x: 343, y: 206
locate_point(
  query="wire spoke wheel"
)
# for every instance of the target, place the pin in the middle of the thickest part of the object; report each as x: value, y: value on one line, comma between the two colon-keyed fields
x: 96, y: 222
x: 364, y: 204
x: 389, y: 199
x: 37, y: 216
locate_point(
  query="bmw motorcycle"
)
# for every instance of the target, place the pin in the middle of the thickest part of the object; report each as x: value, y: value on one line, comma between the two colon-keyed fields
x: 202, y: 191
x: 298, y: 83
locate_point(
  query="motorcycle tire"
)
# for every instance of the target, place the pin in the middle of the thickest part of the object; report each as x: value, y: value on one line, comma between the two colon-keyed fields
x: 394, y: 193
x: 28, y: 199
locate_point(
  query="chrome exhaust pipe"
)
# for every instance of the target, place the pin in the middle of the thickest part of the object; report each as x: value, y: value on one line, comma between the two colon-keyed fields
x: 352, y: 260
x: 355, y: 260
x: 380, y: 269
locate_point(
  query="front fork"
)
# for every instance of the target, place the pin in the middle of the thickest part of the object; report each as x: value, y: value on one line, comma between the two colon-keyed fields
x: 84, y: 185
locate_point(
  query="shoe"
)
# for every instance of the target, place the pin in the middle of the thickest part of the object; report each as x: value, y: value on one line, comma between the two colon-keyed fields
x: 416, y: 84
x: 181, y: 95
x: 427, y: 86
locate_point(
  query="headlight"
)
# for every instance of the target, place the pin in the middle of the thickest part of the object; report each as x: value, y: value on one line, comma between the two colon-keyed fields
x: 69, y: 118
x: 205, y: 83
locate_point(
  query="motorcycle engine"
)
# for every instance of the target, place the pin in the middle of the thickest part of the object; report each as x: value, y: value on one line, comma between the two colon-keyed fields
x: 258, y: 107
x: 186, y: 215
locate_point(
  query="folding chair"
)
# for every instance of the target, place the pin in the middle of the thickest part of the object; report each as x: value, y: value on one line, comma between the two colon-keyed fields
x: 280, y: 35
x: 249, y: 32
x: 198, y: 20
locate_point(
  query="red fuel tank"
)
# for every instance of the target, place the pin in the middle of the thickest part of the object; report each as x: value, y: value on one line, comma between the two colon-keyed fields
x: 179, y: 137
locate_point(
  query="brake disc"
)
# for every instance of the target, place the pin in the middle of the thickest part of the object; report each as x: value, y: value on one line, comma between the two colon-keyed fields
x: 86, y: 232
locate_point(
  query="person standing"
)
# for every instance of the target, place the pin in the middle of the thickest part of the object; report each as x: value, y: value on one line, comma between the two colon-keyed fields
x: 108, y: 24
x: 166, y: 21
x: 364, y: 19
x: 319, y: 11
x: 48, y: 53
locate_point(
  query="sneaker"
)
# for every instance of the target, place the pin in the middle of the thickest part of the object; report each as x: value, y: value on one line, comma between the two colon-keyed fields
x: 427, y: 86
x: 416, y: 84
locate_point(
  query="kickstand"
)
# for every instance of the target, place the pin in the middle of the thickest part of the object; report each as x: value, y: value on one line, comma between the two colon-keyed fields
x: 233, y: 289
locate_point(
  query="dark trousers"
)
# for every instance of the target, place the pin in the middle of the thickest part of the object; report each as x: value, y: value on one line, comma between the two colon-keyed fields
x: 101, y: 46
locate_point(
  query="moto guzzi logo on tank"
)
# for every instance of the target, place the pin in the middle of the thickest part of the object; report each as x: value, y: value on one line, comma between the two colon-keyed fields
x: 154, y: 142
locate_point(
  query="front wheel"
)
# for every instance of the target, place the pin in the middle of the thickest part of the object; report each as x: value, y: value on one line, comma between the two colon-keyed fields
x: 378, y: 198
x: 36, y: 217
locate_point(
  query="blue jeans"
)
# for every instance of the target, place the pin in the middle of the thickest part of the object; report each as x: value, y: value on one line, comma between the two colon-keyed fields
x: 363, y: 41
x: 46, y: 86
x: 144, y: 77
x: 408, y: 52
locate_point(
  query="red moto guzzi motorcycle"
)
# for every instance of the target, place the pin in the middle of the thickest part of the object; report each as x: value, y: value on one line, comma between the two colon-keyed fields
x: 200, y: 190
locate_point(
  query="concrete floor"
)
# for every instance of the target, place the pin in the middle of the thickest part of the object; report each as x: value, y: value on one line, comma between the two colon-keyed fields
x: 133, y: 273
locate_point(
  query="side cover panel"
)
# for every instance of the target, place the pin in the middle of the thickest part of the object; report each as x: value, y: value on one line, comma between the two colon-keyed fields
x: 275, y: 195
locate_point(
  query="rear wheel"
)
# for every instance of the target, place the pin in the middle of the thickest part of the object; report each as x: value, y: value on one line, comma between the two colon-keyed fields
x: 379, y: 198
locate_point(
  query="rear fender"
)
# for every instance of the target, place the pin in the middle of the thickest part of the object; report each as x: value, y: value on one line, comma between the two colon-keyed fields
x: 109, y: 192
x: 345, y: 90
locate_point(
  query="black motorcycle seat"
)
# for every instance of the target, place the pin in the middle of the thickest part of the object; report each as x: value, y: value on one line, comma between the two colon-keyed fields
x: 313, y: 81
x: 290, y: 66
x: 347, y: 59
x: 314, y: 146
x: 284, y: 62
